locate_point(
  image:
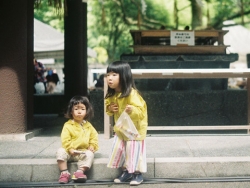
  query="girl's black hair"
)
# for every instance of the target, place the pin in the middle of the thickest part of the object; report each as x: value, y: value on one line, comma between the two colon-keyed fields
x: 126, y: 79
x: 80, y: 100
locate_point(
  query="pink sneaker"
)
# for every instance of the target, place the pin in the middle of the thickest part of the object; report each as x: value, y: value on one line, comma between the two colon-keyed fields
x: 64, y: 178
x: 79, y: 177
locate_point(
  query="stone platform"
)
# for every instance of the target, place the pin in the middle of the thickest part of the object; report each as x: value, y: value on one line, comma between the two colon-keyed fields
x: 168, y: 156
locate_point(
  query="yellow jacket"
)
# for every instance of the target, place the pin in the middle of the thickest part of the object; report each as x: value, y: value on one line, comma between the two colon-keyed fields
x: 138, y: 115
x: 74, y: 136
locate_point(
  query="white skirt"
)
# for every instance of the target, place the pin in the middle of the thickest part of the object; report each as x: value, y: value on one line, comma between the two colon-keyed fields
x: 128, y: 154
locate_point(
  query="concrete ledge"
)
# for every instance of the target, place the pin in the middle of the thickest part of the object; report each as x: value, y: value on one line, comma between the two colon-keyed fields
x: 20, y: 136
x: 46, y: 170
x: 196, y: 167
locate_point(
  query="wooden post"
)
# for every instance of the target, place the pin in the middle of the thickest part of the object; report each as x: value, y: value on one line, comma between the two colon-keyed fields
x: 16, y: 66
x: 75, y: 53
x: 221, y: 38
x: 248, y: 102
x: 108, y: 120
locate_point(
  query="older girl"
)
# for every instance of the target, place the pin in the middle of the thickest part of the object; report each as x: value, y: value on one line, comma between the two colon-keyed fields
x: 122, y: 95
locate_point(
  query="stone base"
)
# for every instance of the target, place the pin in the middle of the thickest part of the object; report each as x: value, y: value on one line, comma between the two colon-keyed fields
x: 20, y: 136
x: 183, y: 108
x: 169, y: 108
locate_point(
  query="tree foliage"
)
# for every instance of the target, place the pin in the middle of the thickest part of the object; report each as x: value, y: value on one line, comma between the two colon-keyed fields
x: 49, y: 13
x: 109, y: 21
x: 112, y: 20
x: 237, y: 10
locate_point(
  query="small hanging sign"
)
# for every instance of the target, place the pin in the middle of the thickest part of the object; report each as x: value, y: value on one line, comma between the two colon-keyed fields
x: 182, y: 38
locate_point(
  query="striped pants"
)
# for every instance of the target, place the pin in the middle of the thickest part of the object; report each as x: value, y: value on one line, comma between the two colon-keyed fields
x: 128, y: 154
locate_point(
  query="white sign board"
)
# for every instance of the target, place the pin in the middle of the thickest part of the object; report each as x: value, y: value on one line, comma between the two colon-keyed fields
x: 182, y: 37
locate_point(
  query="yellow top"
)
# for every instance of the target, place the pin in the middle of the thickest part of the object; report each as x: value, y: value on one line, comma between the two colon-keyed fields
x: 138, y: 115
x: 75, y: 136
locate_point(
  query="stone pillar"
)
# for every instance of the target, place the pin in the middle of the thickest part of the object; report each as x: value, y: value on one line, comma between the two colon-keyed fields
x: 75, y: 60
x: 16, y: 66
x: 248, y: 60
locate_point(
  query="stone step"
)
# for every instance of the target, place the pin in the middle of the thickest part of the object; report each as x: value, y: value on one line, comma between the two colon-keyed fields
x: 46, y: 170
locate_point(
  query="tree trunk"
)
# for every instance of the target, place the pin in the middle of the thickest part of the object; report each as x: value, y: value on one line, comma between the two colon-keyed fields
x: 196, y: 10
x: 176, y: 18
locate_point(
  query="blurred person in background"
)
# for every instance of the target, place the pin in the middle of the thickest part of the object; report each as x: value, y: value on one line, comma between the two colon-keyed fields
x: 39, y: 70
x: 52, y: 80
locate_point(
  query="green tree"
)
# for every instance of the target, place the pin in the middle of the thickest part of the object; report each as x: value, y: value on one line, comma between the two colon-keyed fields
x: 237, y: 10
x: 196, y: 12
x: 109, y: 21
x: 49, y: 14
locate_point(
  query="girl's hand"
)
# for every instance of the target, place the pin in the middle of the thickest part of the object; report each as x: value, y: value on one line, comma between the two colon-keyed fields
x: 113, y: 107
x: 129, y: 108
x: 75, y: 152
x: 91, y: 148
x: 72, y: 152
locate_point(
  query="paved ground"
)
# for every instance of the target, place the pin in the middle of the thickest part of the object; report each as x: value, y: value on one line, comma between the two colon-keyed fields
x: 144, y: 185
x: 158, y: 146
x: 169, y: 156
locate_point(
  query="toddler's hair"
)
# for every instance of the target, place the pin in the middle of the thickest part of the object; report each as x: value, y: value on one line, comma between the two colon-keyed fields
x: 80, y: 100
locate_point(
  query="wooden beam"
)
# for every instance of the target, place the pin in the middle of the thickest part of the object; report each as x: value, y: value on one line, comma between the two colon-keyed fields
x: 184, y: 73
x: 165, y: 49
x: 166, y: 33
x: 219, y: 127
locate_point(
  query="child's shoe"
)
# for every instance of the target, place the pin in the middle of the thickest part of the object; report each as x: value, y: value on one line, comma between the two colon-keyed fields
x: 124, y: 177
x: 64, y: 178
x: 79, y: 177
x: 137, y: 179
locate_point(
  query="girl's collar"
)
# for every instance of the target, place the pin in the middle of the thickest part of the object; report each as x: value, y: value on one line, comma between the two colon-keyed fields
x: 83, y: 122
x: 117, y: 94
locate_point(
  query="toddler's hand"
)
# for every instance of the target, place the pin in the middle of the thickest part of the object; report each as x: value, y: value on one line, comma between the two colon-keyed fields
x: 91, y: 148
x: 72, y: 152
x: 128, y: 108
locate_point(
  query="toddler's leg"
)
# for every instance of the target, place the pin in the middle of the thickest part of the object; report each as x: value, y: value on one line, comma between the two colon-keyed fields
x: 62, y: 157
x: 84, y: 164
x: 62, y: 165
